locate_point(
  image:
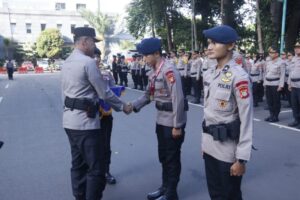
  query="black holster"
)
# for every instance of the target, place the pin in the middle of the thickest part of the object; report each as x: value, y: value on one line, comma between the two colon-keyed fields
x: 87, y: 105
x: 223, y: 132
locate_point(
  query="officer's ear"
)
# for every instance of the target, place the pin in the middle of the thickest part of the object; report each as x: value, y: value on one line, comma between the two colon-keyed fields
x: 230, y: 46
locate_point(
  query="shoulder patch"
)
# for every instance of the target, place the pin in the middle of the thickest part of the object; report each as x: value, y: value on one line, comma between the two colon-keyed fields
x: 170, y: 76
x: 242, y: 83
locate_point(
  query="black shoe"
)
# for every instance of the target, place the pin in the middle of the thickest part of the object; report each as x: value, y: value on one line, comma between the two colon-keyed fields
x: 255, y: 105
x: 110, y: 179
x: 1, y: 144
x: 196, y: 102
x: 164, y: 197
x: 274, y: 119
x: 293, y: 124
x: 268, y: 119
x: 287, y: 106
x: 156, y: 194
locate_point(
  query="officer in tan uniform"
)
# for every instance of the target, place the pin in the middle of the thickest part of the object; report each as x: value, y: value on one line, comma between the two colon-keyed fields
x: 82, y: 86
x: 166, y: 90
x: 181, y: 66
x: 196, y: 65
x: 274, y: 82
x: 228, y: 117
x: 255, y: 72
x: 294, y: 86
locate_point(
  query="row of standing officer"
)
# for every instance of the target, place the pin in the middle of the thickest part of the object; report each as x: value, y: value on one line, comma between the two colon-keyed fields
x: 139, y: 72
x: 120, y: 70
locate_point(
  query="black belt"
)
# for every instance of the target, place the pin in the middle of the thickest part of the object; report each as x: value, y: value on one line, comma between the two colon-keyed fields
x: 295, y: 79
x: 204, y: 70
x: 286, y: 75
x: 272, y: 79
x: 193, y: 73
x: 254, y: 74
x: 223, y: 132
x: 82, y: 104
x: 168, y: 106
x: 180, y: 69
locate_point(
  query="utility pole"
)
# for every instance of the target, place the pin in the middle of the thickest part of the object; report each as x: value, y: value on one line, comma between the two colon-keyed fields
x: 194, y: 29
x: 283, y: 25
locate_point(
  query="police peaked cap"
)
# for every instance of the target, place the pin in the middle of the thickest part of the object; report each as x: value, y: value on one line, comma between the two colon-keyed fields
x: 85, y: 31
x: 297, y: 44
x: 149, y: 46
x: 222, y: 34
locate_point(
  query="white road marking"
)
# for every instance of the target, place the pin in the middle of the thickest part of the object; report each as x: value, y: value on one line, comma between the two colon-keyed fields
x: 285, y: 111
x: 254, y: 119
x: 7, y: 85
x: 1, y: 99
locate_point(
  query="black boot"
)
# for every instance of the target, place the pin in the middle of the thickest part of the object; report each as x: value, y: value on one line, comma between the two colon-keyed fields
x: 294, y: 123
x: 268, y: 119
x: 166, y: 197
x: 110, y: 179
x: 156, y: 194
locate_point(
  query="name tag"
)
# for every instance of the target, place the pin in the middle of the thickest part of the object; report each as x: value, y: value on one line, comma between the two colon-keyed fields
x: 224, y: 86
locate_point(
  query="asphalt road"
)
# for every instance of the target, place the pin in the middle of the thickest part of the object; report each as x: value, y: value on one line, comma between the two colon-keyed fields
x: 35, y: 159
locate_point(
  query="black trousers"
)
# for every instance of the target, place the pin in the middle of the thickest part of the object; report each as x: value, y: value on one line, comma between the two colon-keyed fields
x: 106, y: 127
x: 197, y: 89
x: 221, y: 186
x: 124, y: 80
x: 261, y: 90
x: 273, y: 100
x: 10, y: 72
x: 295, y: 100
x: 169, y: 151
x: 134, y: 78
x: 88, y: 169
x: 287, y: 93
x: 255, y: 92
x: 116, y: 77
x: 145, y: 80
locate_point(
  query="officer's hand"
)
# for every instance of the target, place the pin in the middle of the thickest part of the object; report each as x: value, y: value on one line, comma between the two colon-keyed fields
x: 127, y: 108
x: 237, y: 169
x: 176, y: 133
x: 279, y: 89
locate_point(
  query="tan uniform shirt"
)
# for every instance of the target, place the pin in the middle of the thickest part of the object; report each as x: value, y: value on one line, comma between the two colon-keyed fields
x: 82, y: 79
x: 227, y: 97
x: 167, y: 89
x: 294, y: 78
x: 181, y: 65
x: 275, y: 73
x: 255, y: 72
x: 196, y: 67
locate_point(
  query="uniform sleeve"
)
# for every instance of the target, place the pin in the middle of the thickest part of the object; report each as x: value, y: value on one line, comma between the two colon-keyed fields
x: 243, y: 95
x: 143, y: 100
x: 282, y: 74
x: 102, y: 88
x: 173, y: 79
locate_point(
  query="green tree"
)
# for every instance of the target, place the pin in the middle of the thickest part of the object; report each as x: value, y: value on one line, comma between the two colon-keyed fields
x: 49, y: 43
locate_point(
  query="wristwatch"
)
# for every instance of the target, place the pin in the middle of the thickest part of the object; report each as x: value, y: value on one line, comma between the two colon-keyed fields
x: 241, y: 161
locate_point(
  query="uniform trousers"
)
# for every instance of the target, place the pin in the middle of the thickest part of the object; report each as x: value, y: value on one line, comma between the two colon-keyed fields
x: 134, y: 78
x: 295, y: 100
x: 106, y: 127
x: 10, y: 72
x: 169, y: 151
x: 255, y: 93
x: 88, y: 169
x: 124, y: 80
x: 221, y: 186
x: 115, y: 74
x: 287, y: 93
x: 273, y: 100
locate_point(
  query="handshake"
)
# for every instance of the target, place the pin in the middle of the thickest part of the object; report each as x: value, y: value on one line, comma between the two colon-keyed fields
x: 128, y: 108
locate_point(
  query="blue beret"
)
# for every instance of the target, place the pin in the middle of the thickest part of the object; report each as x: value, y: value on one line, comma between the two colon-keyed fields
x: 149, y: 46
x: 222, y: 34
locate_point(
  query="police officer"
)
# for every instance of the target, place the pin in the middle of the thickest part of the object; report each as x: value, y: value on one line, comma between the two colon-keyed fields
x: 82, y: 86
x: 124, y: 72
x: 133, y: 66
x: 255, y: 71
x: 228, y: 117
x: 196, y: 65
x: 260, y: 62
x: 115, y: 69
x: 274, y: 82
x: 166, y: 90
x: 181, y: 66
x: 10, y: 69
x: 106, y: 119
x: 294, y: 86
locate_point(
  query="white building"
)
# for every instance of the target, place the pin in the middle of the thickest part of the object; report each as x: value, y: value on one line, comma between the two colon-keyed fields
x: 23, y: 20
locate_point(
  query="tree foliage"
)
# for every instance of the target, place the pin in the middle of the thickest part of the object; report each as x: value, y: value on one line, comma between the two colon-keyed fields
x: 49, y: 43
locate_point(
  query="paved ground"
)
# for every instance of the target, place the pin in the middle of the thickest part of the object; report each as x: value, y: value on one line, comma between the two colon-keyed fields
x: 35, y: 159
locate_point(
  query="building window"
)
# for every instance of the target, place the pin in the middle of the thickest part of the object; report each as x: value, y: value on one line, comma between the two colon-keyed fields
x: 59, y: 26
x: 13, y: 27
x: 72, y: 28
x: 80, y: 6
x: 60, y: 6
x: 43, y: 27
x: 28, y: 28
x: 86, y: 25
